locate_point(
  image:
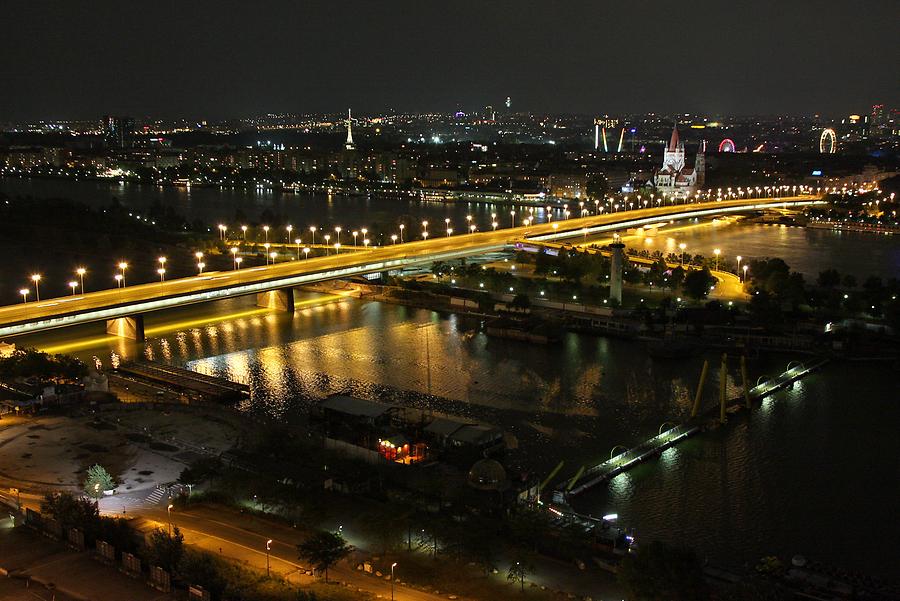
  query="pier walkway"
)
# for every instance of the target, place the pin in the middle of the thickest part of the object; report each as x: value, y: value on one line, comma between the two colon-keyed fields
x: 654, y: 446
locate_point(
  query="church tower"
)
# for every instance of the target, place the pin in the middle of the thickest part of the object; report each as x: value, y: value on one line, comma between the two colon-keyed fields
x: 700, y: 164
x: 674, y: 155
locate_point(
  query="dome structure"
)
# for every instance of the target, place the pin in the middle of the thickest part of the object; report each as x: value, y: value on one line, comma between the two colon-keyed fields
x: 488, y: 474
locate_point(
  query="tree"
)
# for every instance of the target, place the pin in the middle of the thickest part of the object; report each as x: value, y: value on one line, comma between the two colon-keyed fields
x: 165, y: 550
x: 830, y: 278
x: 519, y: 571
x: 521, y: 301
x: 98, y: 480
x: 849, y: 281
x: 324, y: 549
x: 658, y: 572
x: 697, y: 283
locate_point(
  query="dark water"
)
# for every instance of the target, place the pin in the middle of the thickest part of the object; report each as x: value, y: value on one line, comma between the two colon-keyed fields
x: 215, y: 205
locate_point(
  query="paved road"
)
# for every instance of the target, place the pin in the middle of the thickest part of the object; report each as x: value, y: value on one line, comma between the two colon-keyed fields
x: 243, y: 537
x: 41, y: 314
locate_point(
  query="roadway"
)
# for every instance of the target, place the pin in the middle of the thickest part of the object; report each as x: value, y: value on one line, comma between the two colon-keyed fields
x: 108, y: 304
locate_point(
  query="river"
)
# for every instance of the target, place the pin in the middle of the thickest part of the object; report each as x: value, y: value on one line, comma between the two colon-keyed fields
x: 814, y: 470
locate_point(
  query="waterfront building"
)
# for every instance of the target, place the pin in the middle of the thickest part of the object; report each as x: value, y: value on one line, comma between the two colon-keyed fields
x: 674, y: 177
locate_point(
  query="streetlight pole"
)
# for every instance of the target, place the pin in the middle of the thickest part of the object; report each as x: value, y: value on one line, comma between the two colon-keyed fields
x: 81, y: 271
x: 73, y: 285
x: 717, y: 252
x: 393, y: 565
x: 36, y: 278
x: 24, y: 293
x: 169, y: 512
x: 268, y: 548
x: 739, y: 257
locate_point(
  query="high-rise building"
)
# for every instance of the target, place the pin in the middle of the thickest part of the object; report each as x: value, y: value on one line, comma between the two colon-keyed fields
x: 117, y: 131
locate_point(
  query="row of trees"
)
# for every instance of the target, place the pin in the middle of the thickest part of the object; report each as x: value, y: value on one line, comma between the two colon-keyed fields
x: 29, y: 362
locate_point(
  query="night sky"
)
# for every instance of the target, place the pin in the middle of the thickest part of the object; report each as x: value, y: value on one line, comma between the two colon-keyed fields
x: 195, y: 58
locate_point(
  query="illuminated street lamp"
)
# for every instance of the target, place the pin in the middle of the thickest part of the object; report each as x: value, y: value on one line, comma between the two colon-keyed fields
x: 222, y: 229
x: 287, y: 238
x: 267, y: 246
x: 36, y: 278
x: 297, y: 241
x: 200, y: 267
x: 338, y: 232
x: 355, y: 234
x: 268, y: 548
x: 81, y: 271
x: 739, y: 257
x: 24, y: 293
x: 266, y: 232
x: 123, y: 266
x: 745, y: 273
x: 306, y: 252
x: 393, y: 565
x: 118, y: 278
x: 237, y: 262
x: 401, y: 232
x: 244, y: 231
x: 327, y: 238
x: 162, y: 274
x: 162, y: 263
x: 273, y: 254
x: 449, y: 231
x: 494, y: 225
x: 472, y: 228
x: 366, y: 243
x: 425, y: 235
x: 682, y: 246
x: 234, y: 252
x: 394, y: 238
x: 512, y: 218
x: 169, y: 512
x: 717, y: 252
x: 337, y: 248
x: 312, y: 230
x: 425, y: 228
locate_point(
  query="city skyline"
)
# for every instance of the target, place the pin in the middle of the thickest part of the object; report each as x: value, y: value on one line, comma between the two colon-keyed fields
x: 231, y: 61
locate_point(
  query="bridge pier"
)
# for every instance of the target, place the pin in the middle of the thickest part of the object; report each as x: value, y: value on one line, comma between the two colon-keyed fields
x: 280, y: 300
x: 131, y: 327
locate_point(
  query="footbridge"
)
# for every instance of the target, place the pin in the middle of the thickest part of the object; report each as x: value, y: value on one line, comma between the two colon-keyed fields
x: 123, y: 308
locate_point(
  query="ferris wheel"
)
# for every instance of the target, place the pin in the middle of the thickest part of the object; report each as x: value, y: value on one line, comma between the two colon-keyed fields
x: 828, y: 141
x: 727, y: 145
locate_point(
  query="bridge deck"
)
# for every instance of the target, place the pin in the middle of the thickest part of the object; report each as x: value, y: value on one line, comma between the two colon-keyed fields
x: 102, y: 305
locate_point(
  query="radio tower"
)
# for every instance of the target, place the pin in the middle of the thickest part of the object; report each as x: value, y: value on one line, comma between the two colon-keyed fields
x: 349, y: 145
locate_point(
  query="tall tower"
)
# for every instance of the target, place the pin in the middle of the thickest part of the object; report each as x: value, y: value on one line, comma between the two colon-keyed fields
x: 349, y: 145
x: 700, y: 164
x: 617, y: 268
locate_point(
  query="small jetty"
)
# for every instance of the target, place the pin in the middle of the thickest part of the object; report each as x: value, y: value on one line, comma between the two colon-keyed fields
x: 589, y: 477
x: 184, y: 381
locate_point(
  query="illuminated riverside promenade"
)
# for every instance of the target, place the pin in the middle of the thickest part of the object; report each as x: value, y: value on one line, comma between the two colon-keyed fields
x: 115, y: 306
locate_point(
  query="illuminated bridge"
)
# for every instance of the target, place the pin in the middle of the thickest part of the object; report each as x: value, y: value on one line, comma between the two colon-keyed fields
x: 122, y: 308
